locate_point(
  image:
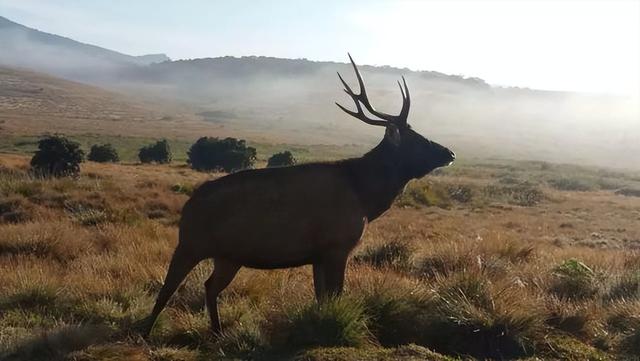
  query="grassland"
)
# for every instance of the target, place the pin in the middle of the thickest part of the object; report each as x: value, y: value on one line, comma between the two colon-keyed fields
x: 502, y: 260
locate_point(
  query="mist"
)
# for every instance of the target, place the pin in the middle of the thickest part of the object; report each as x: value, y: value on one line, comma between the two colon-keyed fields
x: 477, y: 119
x: 292, y: 100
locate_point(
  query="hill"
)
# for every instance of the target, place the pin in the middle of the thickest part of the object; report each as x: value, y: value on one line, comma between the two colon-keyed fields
x: 26, y: 47
x: 291, y: 101
x: 33, y: 103
x: 473, y: 117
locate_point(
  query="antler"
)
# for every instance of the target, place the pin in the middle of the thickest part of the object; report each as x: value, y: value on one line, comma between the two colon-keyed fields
x: 400, y: 119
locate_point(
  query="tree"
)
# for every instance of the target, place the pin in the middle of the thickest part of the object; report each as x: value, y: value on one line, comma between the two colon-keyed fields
x: 159, y: 152
x: 229, y: 154
x: 282, y: 159
x: 57, y: 156
x: 103, y: 153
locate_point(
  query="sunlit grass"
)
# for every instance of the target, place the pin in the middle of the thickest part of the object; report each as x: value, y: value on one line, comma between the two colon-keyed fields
x: 452, y: 270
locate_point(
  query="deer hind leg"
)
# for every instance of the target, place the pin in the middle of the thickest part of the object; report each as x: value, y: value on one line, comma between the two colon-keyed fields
x: 181, y: 264
x: 223, y: 273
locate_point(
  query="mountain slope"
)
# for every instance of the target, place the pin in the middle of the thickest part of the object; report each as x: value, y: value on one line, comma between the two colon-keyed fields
x: 270, y: 94
x: 26, y: 47
x: 35, y: 103
x: 291, y: 100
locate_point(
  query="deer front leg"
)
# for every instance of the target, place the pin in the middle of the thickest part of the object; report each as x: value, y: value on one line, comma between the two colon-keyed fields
x: 318, y: 280
x: 328, y: 276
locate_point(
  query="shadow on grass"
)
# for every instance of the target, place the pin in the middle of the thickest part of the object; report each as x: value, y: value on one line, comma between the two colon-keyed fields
x: 57, y: 344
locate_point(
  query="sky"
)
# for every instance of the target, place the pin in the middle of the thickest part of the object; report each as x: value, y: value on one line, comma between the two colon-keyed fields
x: 588, y: 45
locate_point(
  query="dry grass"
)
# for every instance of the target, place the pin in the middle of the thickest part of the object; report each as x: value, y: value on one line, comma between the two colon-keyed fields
x: 461, y: 266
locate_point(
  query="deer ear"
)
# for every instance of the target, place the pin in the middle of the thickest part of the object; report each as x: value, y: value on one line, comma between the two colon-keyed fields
x: 392, y: 134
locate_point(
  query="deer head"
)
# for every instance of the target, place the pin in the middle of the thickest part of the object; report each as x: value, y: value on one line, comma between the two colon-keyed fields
x: 415, y: 155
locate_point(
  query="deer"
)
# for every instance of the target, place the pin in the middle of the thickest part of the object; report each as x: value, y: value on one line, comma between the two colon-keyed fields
x: 307, y: 214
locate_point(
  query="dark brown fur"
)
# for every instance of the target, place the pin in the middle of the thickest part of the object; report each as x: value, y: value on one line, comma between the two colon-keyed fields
x: 292, y: 216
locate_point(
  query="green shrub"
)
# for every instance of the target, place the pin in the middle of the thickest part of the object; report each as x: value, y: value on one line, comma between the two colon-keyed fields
x: 339, y: 321
x: 57, y: 156
x: 282, y: 159
x: 228, y: 154
x: 574, y: 280
x: 425, y: 194
x: 158, y: 152
x: 103, y: 153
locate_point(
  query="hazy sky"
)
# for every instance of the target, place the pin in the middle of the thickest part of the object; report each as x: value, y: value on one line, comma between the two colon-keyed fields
x: 591, y: 46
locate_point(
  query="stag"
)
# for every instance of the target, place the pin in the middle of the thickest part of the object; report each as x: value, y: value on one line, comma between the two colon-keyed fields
x: 312, y: 213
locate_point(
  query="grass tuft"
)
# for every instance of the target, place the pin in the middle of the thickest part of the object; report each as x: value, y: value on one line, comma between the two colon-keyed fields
x: 394, y: 254
x: 574, y: 280
x: 337, y: 321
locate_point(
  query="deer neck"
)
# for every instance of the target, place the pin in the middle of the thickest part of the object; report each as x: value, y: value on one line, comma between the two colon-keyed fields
x: 378, y: 179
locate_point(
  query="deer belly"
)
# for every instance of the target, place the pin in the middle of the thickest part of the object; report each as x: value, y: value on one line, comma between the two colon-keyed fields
x: 281, y: 241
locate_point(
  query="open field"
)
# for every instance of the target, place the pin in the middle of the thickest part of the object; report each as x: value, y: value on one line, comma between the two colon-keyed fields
x: 496, y: 260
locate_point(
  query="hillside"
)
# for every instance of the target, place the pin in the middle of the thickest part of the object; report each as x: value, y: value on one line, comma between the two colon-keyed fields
x: 33, y: 103
x: 292, y: 101
x: 271, y: 94
x: 26, y: 47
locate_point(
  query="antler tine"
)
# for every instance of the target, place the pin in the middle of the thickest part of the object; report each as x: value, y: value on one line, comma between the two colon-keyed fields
x: 406, y: 102
x: 401, y: 92
x: 359, y: 114
x: 362, y: 98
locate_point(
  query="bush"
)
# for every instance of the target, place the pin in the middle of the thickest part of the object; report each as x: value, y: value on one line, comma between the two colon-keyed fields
x: 574, y: 280
x: 57, y: 156
x: 282, y: 159
x: 103, y: 153
x: 425, y: 194
x: 159, y: 152
x: 228, y: 154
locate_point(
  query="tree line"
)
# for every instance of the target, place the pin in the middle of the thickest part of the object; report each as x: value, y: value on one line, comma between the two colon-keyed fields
x: 59, y: 156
